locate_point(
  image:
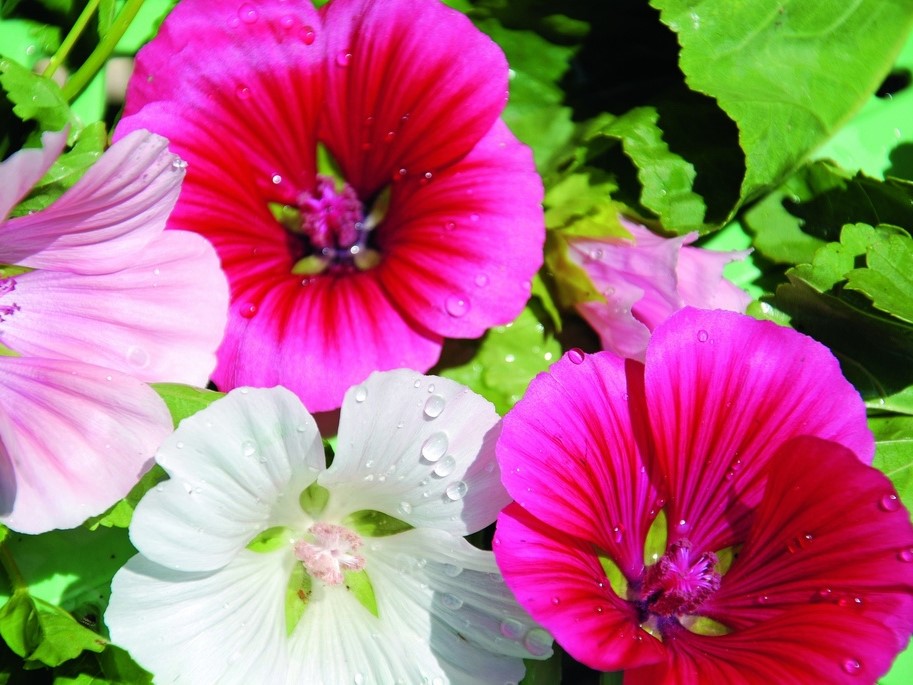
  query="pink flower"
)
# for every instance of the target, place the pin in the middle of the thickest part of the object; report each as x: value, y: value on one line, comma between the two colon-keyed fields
x: 636, y: 485
x: 645, y: 280
x: 437, y: 228
x: 99, y: 300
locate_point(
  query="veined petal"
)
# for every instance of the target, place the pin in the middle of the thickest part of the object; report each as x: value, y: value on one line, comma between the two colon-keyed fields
x: 700, y: 279
x: 75, y: 438
x: 105, y: 220
x: 568, y: 455
x: 22, y: 171
x: 160, y: 319
x: 723, y: 393
x: 226, y: 626
x: 419, y: 448
x: 829, y: 530
x: 559, y: 580
x: 460, y: 251
x: 317, y: 338
x: 450, y: 86
x: 439, y: 593
x: 237, y: 468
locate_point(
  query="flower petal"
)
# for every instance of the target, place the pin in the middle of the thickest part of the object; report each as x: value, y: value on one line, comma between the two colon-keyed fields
x: 22, y: 170
x: 460, y: 251
x: 568, y: 456
x: 724, y: 391
x: 316, y: 338
x: 198, y: 628
x: 829, y: 530
x: 559, y: 580
x: 434, y: 115
x: 75, y: 438
x: 418, y: 448
x: 105, y: 220
x: 237, y: 468
x: 700, y: 279
x: 161, y: 319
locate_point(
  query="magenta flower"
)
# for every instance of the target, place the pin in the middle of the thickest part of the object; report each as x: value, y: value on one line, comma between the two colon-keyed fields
x: 437, y: 228
x: 647, y: 278
x: 99, y: 300
x: 737, y: 438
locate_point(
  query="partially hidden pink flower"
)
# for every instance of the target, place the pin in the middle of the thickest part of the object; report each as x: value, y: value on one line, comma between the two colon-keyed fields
x: 436, y: 230
x: 709, y: 516
x: 645, y: 279
x: 99, y: 300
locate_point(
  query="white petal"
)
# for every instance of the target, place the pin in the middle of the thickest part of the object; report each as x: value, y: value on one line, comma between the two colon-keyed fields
x: 419, y: 448
x: 226, y: 626
x: 237, y: 468
x: 23, y: 170
x: 451, y: 595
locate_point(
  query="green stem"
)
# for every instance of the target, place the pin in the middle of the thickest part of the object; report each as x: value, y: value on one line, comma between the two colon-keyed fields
x: 12, y: 569
x: 71, y: 38
x: 100, y: 54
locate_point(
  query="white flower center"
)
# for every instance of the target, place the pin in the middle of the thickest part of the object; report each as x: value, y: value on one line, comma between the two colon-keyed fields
x: 331, y: 552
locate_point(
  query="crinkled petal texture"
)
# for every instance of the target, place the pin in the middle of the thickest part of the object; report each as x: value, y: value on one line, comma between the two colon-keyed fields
x: 24, y: 169
x: 647, y: 278
x: 463, y: 233
x: 159, y: 319
x: 199, y: 605
x: 744, y: 434
x: 74, y: 438
x: 437, y: 468
x: 107, y: 218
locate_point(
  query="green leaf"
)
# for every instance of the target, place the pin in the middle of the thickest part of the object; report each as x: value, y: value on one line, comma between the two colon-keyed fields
x: 43, y: 633
x: 374, y: 524
x: 894, y: 452
x: 121, y: 513
x: 119, y: 667
x: 313, y: 499
x: 358, y: 583
x: 184, y: 400
x: 297, y: 596
x: 828, y: 60
x: 270, y: 539
x: 507, y: 360
x: 34, y: 97
x: 887, y: 279
x: 543, y: 672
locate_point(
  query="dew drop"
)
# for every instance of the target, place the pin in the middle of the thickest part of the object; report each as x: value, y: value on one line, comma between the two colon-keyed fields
x: 538, y: 642
x: 851, y: 666
x: 248, y: 13
x: 556, y: 600
x: 702, y: 336
x: 248, y: 310
x: 451, y: 601
x: 473, y: 217
x: 762, y: 599
x: 308, y: 35
x: 404, y: 508
x: 618, y: 533
x: 179, y: 445
x: 343, y: 58
x: 456, y: 491
x: 361, y: 393
x: 358, y: 679
x: 243, y: 92
x: 156, y: 272
x: 109, y: 378
x: 512, y: 629
x: 906, y: 555
x: 430, y: 388
x: 276, y: 179
x: 389, y: 136
x: 435, y: 447
x: 683, y: 526
x: 179, y: 163
x: 889, y: 502
x: 575, y: 355
x: 481, y: 280
x: 248, y: 448
x: 452, y: 570
x: 287, y: 22
x: 445, y: 466
x: 457, y: 305
x: 138, y: 357
x: 449, y: 226
x: 434, y: 406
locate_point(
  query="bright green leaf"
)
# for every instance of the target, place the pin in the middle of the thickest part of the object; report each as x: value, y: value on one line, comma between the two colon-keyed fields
x: 270, y: 539
x: 297, y: 596
x: 894, y: 452
x: 34, y: 97
x: 374, y: 524
x: 887, y: 279
x: 121, y: 513
x: 313, y: 499
x: 185, y: 400
x: 358, y: 583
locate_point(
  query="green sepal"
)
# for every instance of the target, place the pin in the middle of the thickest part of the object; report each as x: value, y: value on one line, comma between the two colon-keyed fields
x: 121, y: 513
x: 725, y: 557
x: 657, y: 539
x: 184, y: 400
x: 358, y: 583
x: 297, y: 596
x: 270, y: 539
x: 374, y: 524
x: 704, y: 625
x: 289, y: 217
x: 617, y: 580
x: 313, y: 499
x: 327, y: 165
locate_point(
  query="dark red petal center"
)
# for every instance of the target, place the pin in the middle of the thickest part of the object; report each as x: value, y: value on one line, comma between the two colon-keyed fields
x: 677, y: 584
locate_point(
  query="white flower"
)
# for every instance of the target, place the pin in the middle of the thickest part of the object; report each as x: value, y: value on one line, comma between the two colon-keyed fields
x: 259, y: 565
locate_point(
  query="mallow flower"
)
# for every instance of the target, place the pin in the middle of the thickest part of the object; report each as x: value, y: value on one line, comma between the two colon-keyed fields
x: 351, y: 169
x: 708, y: 516
x: 94, y: 299
x: 644, y: 279
x: 258, y: 563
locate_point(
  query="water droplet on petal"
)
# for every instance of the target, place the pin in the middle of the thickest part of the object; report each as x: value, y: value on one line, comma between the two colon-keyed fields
x: 683, y: 526
x: 512, y: 629
x: 762, y: 599
x: 276, y: 179
x: 109, y: 378
x: 906, y: 554
x: 575, y: 355
x: 434, y: 406
x: 451, y: 601
x: 556, y: 601
x: 248, y: 310
x: 404, y: 508
x: 361, y: 394
x: 445, y: 466
x: 243, y: 92
x: 248, y: 13
x: 452, y: 570
x: 358, y: 679
x: 618, y: 533
x: 179, y: 163
x: 343, y: 58
x: 449, y: 225
x: 851, y: 666
x: 456, y: 305
x: 481, y: 280
x: 308, y: 35
x: 248, y: 448
x: 889, y: 502
x: 702, y: 336
x: 538, y: 642
x: 138, y: 357
x: 435, y: 446
x: 456, y: 491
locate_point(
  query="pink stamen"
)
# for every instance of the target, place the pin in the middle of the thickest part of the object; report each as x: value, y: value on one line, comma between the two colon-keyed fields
x: 331, y: 553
